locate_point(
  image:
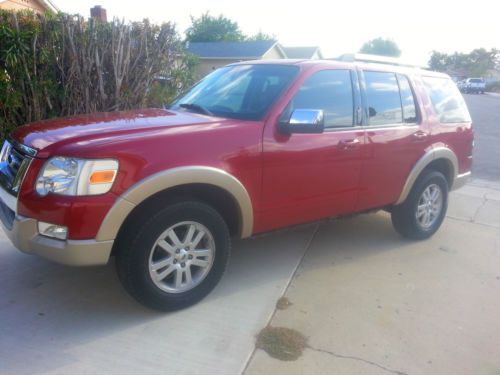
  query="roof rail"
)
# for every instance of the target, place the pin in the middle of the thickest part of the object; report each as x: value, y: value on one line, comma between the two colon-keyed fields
x: 362, y: 57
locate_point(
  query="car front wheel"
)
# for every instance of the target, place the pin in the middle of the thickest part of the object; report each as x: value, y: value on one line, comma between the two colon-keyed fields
x: 423, y: 212
x: 176, y: 258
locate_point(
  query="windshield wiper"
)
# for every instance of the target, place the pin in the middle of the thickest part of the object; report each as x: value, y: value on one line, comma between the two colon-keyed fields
x: 197, y: 108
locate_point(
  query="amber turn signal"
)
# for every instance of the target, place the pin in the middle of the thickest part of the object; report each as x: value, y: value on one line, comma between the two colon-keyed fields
x: 102, y: 177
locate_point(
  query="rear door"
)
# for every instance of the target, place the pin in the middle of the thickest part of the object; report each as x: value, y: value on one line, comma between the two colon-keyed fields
x: 396, y: 136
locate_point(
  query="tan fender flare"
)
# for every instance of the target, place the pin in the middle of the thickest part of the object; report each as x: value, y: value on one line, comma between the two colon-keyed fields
x: 431, y: 155
x: 176, y: 177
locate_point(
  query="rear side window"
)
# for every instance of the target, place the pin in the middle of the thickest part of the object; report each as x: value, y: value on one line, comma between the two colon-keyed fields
x: 382, y: 95
x: 446, y: 100
x: 330, y: 91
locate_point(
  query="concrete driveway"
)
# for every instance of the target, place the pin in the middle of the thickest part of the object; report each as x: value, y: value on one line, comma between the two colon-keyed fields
x: 61, y: 320
x: 371, y: 302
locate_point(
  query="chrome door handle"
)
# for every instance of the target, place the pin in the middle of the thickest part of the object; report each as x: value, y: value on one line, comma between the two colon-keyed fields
x: 420, y: 136
x: 348, y: 143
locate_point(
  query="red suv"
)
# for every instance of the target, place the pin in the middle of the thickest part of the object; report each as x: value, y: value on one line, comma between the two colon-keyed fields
x: 253, y: 147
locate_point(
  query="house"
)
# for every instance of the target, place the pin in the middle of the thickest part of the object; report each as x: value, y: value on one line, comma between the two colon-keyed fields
x: 214, y: 55
x: 38, y: 6
x: 313, y: 53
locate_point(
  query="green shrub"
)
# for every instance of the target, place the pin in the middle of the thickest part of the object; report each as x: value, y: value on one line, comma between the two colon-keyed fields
x: 57, y: 65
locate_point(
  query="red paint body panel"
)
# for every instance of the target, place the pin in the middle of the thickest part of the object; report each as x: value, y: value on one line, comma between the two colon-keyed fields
x: 290, y: 178
x: 143, y: 146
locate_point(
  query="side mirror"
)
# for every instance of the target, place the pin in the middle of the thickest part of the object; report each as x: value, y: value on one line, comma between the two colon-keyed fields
x: 304, y: 121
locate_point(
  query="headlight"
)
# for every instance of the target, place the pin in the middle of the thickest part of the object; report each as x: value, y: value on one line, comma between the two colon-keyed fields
x: 71, y: 176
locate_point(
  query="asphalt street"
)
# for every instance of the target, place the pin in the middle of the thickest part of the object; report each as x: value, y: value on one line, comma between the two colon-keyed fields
x: 485, y: 113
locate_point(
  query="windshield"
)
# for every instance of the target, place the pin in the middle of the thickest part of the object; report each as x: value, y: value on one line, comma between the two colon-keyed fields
x: 243, y: 92
x: 476, y: 80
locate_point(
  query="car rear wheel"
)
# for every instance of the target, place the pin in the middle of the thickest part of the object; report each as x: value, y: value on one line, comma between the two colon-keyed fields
x: 176, y: 258
x: 423, y: 212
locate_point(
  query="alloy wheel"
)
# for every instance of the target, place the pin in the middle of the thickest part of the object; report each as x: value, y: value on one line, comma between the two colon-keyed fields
x: 181, y: 257
x: 429, y: 206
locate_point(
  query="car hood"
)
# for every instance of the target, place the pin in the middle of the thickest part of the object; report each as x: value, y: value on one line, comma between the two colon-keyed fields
x: 43, y: 135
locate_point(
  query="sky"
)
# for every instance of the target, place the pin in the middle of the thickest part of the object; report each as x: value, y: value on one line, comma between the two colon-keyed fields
x: 418, y: 27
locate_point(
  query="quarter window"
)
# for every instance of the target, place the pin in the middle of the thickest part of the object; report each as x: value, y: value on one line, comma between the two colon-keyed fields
x: 446, y: 100
x: 330, y: 91
x: 384, y: 101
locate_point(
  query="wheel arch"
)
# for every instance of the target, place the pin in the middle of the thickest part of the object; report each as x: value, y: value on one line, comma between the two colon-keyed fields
x: 439, y: 158
x: 174, y: 180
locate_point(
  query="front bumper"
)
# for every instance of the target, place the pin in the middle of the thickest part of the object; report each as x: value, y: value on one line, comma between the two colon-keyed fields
x: 23, y: 232
x: 24, y: 235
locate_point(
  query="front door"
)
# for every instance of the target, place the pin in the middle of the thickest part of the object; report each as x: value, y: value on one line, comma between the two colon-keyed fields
x: 312, y: 176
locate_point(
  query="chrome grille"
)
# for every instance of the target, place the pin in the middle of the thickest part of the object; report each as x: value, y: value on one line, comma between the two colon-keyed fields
x: 14, y: 163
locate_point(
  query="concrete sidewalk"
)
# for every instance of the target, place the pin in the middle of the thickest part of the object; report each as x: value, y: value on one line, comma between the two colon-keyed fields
x: 370, y: 302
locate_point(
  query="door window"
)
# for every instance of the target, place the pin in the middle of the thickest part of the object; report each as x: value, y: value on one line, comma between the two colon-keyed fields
x: 384, y: 101
x: 327, y: 90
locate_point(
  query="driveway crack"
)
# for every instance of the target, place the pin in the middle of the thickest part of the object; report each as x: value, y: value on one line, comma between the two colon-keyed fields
x: 485, y: 199
x: 359, y: 359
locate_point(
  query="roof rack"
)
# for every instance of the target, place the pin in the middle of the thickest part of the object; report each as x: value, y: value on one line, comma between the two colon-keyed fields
x: 362, y: 57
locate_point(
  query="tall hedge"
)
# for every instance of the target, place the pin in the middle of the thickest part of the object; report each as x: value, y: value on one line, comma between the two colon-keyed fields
x: 57, y: 65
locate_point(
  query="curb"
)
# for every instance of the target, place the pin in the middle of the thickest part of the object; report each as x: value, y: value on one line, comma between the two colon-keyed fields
x: 493, y: 94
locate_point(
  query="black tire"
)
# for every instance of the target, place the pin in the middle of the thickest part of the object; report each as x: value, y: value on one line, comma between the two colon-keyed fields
x: 133, y: 255
x: 404, y: 216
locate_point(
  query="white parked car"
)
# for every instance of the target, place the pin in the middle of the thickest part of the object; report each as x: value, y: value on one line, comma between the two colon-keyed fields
x: 474, y: 86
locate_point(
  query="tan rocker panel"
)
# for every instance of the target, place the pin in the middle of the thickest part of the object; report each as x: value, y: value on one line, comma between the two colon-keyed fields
x: 171, y: 178
x: 430, y: 156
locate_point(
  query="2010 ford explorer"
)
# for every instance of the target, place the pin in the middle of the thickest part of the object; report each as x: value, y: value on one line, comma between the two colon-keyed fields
x: 253, y: 147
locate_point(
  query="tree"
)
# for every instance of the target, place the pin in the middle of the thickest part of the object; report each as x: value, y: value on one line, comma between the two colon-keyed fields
x: 381, y: 46
x: 473, y: 64
x: 438, y: 61
x: 208, y: 28
x: 260, y: 36
x: 481, y: 61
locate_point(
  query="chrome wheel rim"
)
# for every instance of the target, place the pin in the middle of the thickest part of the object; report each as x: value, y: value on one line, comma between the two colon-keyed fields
x: 429, y: 206
x: 181, y: 257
